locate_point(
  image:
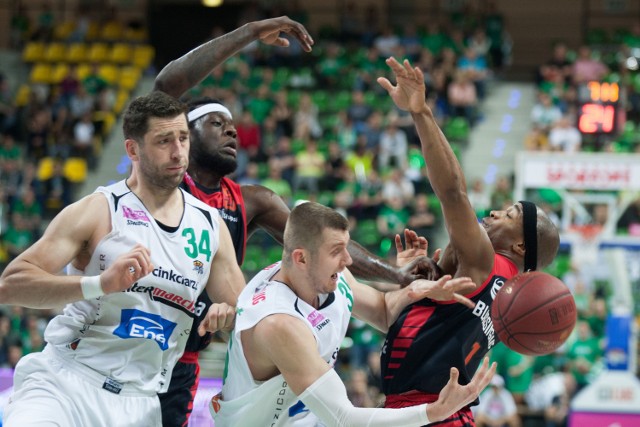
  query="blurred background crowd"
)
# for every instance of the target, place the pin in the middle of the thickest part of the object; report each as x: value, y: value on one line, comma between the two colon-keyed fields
x: 318, y: 127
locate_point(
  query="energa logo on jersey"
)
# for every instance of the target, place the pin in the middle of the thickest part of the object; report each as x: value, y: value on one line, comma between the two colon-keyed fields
x: 138, y: 324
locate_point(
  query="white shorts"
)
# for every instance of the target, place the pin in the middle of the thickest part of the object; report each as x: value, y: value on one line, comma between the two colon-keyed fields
x: 49, y: 391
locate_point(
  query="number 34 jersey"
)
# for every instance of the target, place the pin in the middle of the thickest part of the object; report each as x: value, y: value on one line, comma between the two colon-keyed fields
x: 135, y: 337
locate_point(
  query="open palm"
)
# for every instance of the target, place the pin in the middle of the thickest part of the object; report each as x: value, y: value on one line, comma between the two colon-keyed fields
x: 409, y: 92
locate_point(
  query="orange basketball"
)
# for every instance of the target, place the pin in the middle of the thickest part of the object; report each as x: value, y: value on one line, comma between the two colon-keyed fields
x: 534, y: 313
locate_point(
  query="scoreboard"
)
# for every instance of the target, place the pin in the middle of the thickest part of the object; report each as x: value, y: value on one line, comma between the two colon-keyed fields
x: 597, y: 107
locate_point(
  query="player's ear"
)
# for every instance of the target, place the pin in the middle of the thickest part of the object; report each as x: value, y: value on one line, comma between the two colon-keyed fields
x: 131, y: 147
x: 299, y: 256
x: 518, y: 248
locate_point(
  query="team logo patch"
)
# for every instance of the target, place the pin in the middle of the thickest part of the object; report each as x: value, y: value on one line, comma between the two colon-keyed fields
x: 198, y: 266
x: 136, y: 215
x: 138, y: 324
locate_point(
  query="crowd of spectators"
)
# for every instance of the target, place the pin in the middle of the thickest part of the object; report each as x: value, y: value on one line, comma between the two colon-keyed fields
x: 318, y: 127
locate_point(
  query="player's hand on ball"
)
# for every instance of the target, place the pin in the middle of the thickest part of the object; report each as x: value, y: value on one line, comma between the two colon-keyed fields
x: 220, y: 317
x: 455, y: 396
x: 126, y: 269
x: 444, y: 289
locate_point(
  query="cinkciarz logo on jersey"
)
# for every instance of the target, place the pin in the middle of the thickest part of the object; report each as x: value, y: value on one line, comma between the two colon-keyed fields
x: 139, y: 324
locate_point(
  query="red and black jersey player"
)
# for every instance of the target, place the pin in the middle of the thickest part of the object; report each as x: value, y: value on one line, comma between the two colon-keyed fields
x: 428, y: 337
x: 244, y: 208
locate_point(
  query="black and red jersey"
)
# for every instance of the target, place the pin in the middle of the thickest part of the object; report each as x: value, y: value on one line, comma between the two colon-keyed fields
x: 430, y: 337
x: 229, y: 202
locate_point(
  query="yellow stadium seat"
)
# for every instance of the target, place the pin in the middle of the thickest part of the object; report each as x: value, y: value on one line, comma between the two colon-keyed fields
x: 93, y: 31
x: 40, y: 73
x: 33, y: 52
x: 143, y: 55
x: 45, y: 168
x: 22, y: 96
x: 75, y: 169
x: 122, y: 97
x: 107, y: 118
x: 120, y: 53
x: 77, y: 52
x: 129, y: 77
x: 136, y: 35
x: 58, y: 73
x: 111, y: 31
x: 83, y: 70
x: 98, y: 52
x: 55, y: 52
x: 109, y: 72
x: 63, y: 30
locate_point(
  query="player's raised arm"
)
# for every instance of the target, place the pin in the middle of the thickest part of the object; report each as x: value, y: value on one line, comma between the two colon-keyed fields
x: 443, y: 169
x: 190, y: 69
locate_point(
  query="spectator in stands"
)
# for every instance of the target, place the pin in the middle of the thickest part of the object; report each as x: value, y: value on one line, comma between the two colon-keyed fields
x: 387, y: 42
x: 410, y: 42
x: 284, y: 160
x: 551, y: 394
x: 565, y: 137
x: 396, y: 184
x: 586, y: 68
x: 28, y: 208
x: 81, y: 103
x: 462, y: 96
x: 393, y: 217
x: 558, y: 68
x: 282, y: 114
x: 330, y: 67
x: 17, y: 237
x: 536, y: 140
x: 422, y: 219
x: 583, y: 354
x: 360, y: 160
x: 373, y: 130
x: 94, y: 83
x: 393, y: 147
x: 479, y: 197
x: 84, y: 133
x: 476, y: 68
x: 56, y: 189
x: 309, y: 168
x: 305, y: 119
x: 359, y: 111
x: 544, y: 114
x: 249, y: 140
x: 276, y: 183
x: 502, y: 194
x: 497, y: 407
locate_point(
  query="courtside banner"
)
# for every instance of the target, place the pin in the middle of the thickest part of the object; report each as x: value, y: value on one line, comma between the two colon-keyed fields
x: 578, y: 171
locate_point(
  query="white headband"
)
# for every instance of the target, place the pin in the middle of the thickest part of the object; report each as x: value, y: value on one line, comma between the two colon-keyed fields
x: 206, y: 109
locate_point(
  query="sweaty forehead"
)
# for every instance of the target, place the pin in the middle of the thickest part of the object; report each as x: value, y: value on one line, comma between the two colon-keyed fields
x: 164, y: 126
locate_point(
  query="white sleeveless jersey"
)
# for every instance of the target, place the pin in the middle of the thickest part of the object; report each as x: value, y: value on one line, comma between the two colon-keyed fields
x: 246, y: 402
x: 135, y: 337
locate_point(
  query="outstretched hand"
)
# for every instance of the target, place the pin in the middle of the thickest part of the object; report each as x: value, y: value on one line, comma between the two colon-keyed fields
x: 444, y: 289
x: 409, y: 93
x: 454, y: 396
x: 269, y: 32
x: 413, y: 260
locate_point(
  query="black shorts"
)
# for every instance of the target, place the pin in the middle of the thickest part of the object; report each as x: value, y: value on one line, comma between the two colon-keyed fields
x: 177, y: 402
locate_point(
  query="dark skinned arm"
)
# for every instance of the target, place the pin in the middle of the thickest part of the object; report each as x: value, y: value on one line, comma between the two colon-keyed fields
x: 266, y: 210
x: 474, y: 260
x: 190, y: 69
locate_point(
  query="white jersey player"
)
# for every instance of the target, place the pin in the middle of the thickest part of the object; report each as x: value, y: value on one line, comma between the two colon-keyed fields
x: 291, y: 320
x: 146, y: 250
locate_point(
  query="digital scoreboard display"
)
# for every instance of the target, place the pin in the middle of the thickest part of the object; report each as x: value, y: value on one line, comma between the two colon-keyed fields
x: 597, y: 107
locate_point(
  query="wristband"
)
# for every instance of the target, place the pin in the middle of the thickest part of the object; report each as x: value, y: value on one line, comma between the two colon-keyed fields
x: 91, y: 287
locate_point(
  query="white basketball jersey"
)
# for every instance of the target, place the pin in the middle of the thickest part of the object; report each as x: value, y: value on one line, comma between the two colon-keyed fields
x: 246, y: 402
x: 135, y: 337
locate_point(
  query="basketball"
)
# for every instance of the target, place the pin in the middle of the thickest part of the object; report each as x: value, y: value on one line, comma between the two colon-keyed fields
x: 534, y: 313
